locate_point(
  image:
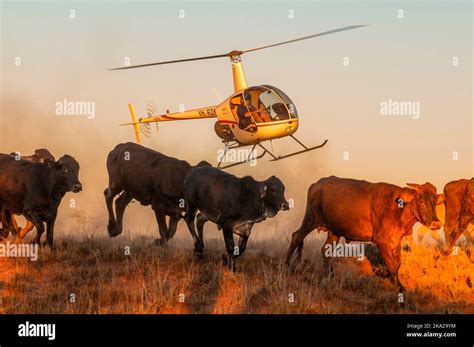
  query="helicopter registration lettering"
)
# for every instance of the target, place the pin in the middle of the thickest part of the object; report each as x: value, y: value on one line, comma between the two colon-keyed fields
x: 207, y: 112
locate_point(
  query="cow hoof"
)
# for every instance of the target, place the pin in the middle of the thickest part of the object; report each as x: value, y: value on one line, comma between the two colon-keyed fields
x: 48, y: 245
x: 159, y: 243
x: 198, y: 254
x: 112, y: 230
x: 225, y: 262
x: 3, y: 233
x: 407, y: 248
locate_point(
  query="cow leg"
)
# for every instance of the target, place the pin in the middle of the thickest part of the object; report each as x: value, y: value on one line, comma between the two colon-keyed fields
x: 469, y: 234
x: 190, y: 216
x: 172, y: 227
x: 5, y: 226
x: 396, y: 260
x: 297, y: 239
x: 200, y: 221
x: 50, y: 231
x: 162, y: 228
x: 14, y: 225
x: 453, y: 238
x: 461, y: 229
x: 244, y: 239
x: 38, y: 223
x: 229, y: 246
x: 330, y: 240
x: 391, y: 258
x: 9, y: 223
x: 120, y: 205
x: 109, y: 194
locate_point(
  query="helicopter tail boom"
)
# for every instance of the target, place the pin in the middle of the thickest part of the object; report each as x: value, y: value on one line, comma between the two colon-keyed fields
x: 199, y: 113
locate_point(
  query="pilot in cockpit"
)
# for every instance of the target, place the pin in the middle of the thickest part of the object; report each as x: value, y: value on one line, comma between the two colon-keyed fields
x: 244, y: 113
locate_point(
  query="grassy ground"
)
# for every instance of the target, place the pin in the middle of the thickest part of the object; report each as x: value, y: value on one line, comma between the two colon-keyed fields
x: 94, y: 275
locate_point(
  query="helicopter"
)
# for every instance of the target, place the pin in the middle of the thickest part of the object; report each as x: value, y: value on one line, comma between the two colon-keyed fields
x: 250, y: 116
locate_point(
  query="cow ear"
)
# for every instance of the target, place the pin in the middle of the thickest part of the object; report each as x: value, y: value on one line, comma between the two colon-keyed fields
x: 405, y: 198
x: 263, y: 190
x: 414, y: 186
x: 439, y: 199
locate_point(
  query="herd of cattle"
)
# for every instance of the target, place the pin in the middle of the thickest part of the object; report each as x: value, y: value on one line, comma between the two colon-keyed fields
x: 357, y: 210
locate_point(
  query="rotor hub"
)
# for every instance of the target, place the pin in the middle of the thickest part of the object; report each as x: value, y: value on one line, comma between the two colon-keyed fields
x: 235, y: 56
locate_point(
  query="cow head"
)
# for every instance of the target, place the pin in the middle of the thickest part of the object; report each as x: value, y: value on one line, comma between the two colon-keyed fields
x: 423, y: 199
x: 273, y: 194
x: 67, y: 171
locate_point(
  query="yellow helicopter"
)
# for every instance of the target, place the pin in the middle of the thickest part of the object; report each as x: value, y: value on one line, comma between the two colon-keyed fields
x: 249, y: 116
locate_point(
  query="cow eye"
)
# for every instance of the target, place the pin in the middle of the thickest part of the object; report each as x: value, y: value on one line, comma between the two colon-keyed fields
x: 65, y: 169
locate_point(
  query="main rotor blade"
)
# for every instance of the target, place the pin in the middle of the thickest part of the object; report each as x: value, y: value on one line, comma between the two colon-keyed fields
x: 170, y: 62
x: 306, y: 37
x: 237, y: 53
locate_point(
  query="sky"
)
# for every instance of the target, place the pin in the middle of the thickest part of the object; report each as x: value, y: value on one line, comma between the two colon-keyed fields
x: 411, y: 51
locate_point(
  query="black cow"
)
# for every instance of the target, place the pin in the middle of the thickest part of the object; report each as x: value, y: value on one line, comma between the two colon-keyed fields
x: 9, y: 223
x: 35, y: 189
x: 151, y: 178
x: 234, y: 204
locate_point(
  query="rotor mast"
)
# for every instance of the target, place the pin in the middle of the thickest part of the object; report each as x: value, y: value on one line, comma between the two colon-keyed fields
x: 238, y: 74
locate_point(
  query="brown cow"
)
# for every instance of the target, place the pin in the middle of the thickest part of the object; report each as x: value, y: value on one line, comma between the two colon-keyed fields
x: 459, y: 205
x: 357, y: 210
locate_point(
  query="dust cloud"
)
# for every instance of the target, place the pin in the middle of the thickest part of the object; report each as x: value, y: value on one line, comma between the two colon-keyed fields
x: 28, y: 126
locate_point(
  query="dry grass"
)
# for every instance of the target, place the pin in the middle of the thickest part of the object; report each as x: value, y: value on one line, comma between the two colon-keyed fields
x: 152, y: 280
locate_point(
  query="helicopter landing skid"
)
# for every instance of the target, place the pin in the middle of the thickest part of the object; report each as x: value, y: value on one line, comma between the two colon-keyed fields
x: 249, y: 157
x: 265, y: 151
x: 306, y: 149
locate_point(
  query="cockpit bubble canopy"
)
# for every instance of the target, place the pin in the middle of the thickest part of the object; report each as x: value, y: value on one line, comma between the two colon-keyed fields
x: 269, y: 104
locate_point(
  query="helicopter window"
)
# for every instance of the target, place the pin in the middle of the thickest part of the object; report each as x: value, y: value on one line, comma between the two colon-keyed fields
x: 265, y: 105
x: 289, y: 104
